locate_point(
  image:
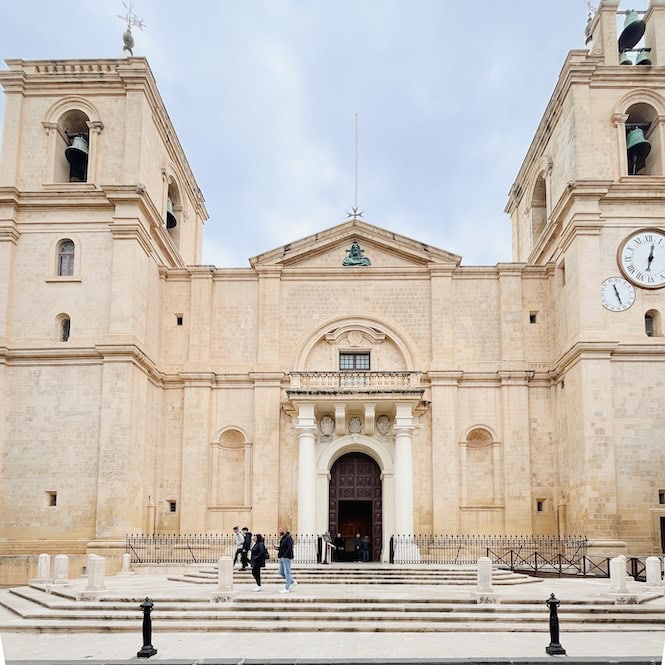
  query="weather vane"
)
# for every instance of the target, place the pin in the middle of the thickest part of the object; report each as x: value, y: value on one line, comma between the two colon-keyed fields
x: 354, y: 214
x: 131, y: 19
x: 590, y: 6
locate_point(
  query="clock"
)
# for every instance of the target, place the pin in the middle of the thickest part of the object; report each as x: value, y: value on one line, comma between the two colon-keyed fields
x: 617, y: 294
x: 641, y: 258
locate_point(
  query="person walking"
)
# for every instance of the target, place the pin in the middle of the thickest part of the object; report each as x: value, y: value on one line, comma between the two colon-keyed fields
x: 240, y: 542
x: 285, y: 556
x: 246, y: 547
x: 258, y: 560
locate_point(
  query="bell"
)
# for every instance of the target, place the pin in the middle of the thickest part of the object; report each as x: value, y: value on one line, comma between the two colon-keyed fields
x: 624, y: 58
x: 170, y: 217
x: 633, y: 30
x: 77, y: 156
x: 638, y: 149
x: 643, y: 57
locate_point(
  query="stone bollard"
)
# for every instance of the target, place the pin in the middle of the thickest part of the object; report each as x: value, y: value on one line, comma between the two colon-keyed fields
x: 126, y: 566
x: 61, y: 569
x: 554, y: 647
x: 96, y: 573
x: 224, y: 589
x: 43, y: 570
x: 147, y: 649
x: 618, y: 575
x: 484, y: 575
x: 654, y: 578
x: 484, y: 593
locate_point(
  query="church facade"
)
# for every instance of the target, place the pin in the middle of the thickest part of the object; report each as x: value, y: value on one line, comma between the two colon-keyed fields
x: 356, y: 380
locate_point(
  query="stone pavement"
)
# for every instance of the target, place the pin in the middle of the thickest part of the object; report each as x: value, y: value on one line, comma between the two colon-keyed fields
x: 605, y: 642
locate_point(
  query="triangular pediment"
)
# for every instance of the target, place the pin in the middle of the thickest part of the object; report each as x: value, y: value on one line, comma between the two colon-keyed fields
x: 330, y: 248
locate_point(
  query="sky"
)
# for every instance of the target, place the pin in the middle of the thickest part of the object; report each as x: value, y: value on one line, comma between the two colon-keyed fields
x: 264, y: 96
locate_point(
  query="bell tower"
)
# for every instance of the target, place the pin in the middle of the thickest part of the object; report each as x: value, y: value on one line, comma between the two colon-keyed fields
x: 98, y: 206
x: 587, y: 209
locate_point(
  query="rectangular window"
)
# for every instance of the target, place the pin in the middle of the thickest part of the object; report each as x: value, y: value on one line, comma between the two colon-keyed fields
x: 172, y: 506
x: 52, y: 498
x: 178, y: 319
x: 533, y: 316
x: 354, y: 362
x: 540, y: 505
x: 661, y: 497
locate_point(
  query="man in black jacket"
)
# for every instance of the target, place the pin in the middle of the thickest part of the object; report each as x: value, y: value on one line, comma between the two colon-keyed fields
x: 246, y: 547
x: 285, y: 556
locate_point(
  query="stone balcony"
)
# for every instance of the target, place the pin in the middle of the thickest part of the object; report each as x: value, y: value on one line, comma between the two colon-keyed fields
x: 402, y: 383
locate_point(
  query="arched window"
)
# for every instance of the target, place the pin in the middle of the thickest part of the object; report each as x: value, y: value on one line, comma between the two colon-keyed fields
x: 65, y: 258
x: 652, y: 323
x: 64, y: 327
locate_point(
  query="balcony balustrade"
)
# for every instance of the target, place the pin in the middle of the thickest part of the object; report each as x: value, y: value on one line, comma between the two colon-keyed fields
x: 337, y: 383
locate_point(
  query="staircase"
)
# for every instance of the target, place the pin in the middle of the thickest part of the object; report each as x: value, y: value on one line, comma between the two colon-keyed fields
x: 353, y: 599
x: 363, y: 574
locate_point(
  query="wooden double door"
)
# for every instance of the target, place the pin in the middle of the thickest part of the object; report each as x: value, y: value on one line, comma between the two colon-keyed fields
x: 356, y: 503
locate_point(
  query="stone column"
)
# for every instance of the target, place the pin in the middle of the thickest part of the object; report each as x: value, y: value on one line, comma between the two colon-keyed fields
x: 306, y: 426
x: 403, y: 430
x: 405, y: 550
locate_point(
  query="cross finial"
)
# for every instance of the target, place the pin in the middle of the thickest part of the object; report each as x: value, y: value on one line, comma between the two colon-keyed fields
x: 131, y: 19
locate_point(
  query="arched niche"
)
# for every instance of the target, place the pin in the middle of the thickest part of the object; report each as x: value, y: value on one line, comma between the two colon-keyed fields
x: 230, y: 469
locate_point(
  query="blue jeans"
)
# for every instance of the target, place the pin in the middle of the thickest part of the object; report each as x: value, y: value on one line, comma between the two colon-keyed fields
x: 285, y: 571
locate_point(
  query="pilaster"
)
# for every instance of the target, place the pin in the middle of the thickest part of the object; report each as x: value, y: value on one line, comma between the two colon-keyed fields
x: 446, y: 452
x: 196, y: 437
x: 517, y: 450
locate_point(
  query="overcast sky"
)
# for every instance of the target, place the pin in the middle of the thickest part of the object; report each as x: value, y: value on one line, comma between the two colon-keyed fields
x: 263, y: 95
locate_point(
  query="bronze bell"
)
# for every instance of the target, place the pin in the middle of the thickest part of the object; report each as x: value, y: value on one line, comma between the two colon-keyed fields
x: 638, y: 149
x: 171, y: 221
x: 625, y: 59
x: 633, y: 31
x: 643, y: 57
x: 77, y: 156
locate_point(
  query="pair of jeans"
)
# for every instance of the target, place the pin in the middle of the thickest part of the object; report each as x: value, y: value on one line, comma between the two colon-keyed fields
x: 285, y: 571
x: 256, y: 572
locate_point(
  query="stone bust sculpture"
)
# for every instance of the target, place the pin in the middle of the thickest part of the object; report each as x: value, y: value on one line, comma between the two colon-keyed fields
x: 355, y: 256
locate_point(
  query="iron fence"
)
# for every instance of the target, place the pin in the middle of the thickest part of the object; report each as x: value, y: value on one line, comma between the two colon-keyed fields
x: 506, y: 550
x: 204, y: 548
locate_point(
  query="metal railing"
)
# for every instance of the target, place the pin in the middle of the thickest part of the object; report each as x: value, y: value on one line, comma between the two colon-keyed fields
x: 348, y: 382
x: 205, y: 547
x: 509, y: 551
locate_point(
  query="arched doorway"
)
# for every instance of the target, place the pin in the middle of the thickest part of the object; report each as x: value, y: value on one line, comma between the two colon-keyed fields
x: 355, y: 502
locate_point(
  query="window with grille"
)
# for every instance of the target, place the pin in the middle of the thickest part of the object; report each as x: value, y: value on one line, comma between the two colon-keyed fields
x: 354, y: 362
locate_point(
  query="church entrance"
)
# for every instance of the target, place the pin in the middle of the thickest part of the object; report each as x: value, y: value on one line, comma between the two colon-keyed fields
x: 356, y: 504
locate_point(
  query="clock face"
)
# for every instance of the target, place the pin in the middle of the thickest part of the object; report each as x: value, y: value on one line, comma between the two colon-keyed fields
x: 641, y: 258
x: 617, y: 294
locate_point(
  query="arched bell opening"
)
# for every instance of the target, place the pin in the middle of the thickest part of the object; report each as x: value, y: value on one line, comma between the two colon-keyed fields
x: 538, y: 208
x: 63, y: 327
x: 173, y: 215
x: 72, y: 147
x: 643, y: 146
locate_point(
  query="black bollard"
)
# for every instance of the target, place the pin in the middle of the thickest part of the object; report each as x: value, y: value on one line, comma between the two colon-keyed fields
x: 555, y: 647
x: 147, y: 649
